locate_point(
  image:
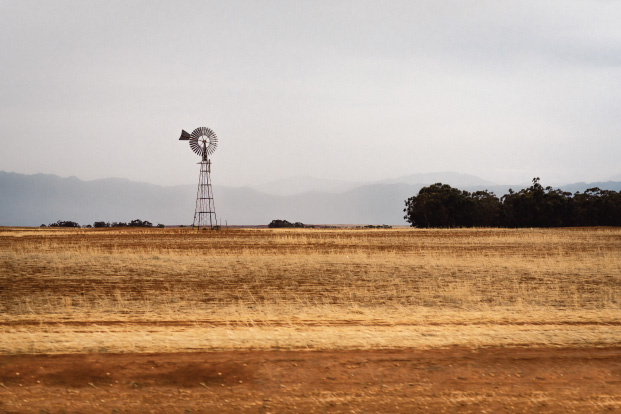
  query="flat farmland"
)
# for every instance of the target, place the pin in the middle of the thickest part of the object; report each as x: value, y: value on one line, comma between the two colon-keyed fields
x: 310, y: 320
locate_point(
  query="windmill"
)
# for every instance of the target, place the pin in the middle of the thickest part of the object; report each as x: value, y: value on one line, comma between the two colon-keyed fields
x: 203, y: 142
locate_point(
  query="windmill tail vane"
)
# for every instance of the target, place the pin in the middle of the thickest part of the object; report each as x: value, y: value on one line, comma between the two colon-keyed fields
x: 203, y: 141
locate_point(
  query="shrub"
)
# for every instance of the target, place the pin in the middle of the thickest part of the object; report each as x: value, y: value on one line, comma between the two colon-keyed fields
x: 276, y: 224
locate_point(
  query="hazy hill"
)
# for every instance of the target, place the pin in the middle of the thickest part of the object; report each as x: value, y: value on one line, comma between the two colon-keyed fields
x: 606, y: 185
x: 41, y: 199
x: 303, y: 184
x: 31, y: 200
x: 454, y: 179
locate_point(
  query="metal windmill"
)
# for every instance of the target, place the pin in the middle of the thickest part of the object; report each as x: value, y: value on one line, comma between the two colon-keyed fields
x: 203, y: 141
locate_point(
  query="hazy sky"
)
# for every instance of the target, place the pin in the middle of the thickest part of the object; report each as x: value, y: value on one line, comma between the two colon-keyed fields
x: 354, y: 90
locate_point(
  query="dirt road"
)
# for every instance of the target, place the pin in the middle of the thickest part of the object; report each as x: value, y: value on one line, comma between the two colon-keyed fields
x: 454, y: 380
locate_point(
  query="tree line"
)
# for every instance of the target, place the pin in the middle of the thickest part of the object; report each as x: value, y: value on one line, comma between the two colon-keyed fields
x: 98, y: 224
x: 440, y: 205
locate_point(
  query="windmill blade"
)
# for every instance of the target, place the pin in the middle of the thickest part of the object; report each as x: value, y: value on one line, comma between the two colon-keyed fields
x: 213, y: 143
x: 198, y: 132
x: 196, y: 146
x: 184, y: 136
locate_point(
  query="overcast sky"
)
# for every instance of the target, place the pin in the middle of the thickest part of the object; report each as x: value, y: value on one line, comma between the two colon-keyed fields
x: 352, y: 90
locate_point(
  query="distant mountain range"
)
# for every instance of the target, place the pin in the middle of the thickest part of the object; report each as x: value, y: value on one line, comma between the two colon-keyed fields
x: 447, y: 177
x: 303, y: 184
x: 32, y: 200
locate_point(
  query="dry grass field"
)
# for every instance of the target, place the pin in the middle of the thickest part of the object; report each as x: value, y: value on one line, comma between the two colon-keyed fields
x: 115, y: 292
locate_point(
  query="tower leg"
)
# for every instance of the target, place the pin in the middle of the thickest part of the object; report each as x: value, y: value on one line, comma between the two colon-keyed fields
x: 205, y: 212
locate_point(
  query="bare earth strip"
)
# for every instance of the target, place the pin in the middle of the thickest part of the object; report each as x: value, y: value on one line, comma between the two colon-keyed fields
x: 454, y: 380
x: 331, y: 320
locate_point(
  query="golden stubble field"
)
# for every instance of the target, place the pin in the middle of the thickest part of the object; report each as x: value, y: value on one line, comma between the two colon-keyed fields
x: 152, y: 291
x: 129, y: 290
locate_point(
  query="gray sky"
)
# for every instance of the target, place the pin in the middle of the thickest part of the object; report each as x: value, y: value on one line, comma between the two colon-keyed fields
x: 354, y: 90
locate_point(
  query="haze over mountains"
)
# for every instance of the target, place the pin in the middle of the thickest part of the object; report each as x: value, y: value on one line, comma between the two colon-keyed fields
x: 32, y: 200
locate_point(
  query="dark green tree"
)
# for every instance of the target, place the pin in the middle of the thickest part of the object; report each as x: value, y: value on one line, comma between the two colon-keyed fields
x: 486, y: 210
x: 439, y: 205
x: 536, y: 206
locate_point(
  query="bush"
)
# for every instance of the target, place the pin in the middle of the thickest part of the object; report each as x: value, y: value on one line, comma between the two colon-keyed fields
x: 67, y: 223
x: 279, y: 224
x: 140, y: 223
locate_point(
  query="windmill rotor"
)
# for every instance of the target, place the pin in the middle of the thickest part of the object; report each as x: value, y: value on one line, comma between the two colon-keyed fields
x: 203, y: 141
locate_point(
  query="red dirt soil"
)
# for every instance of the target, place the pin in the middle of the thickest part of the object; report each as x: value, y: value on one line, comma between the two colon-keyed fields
x: 455, y: 380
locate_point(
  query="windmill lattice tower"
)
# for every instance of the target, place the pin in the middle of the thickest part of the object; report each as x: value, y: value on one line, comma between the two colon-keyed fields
x: 203, y: 141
